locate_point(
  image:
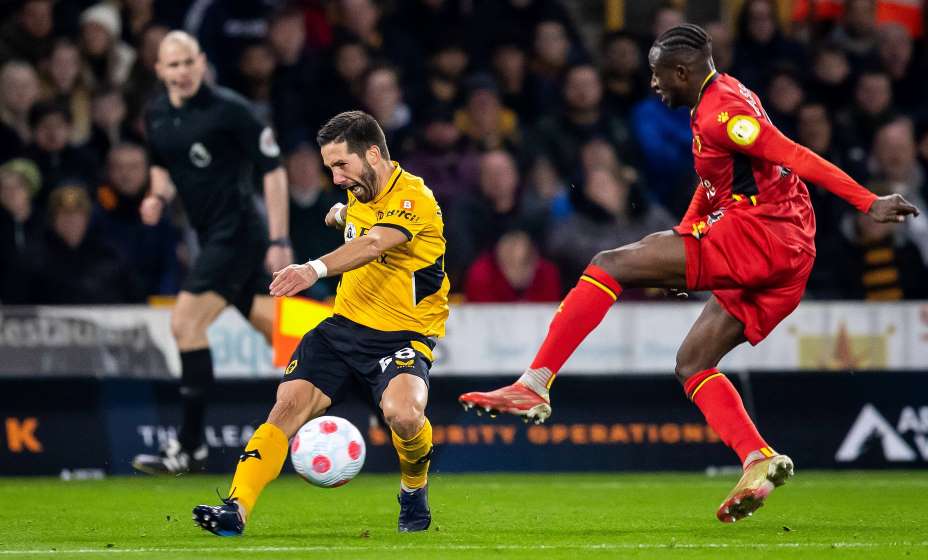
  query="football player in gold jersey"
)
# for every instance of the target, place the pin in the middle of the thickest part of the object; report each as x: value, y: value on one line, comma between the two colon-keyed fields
x: 391, y: 303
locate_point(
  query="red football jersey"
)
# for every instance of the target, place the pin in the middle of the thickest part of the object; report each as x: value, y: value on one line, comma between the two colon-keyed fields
x: 742, y: 158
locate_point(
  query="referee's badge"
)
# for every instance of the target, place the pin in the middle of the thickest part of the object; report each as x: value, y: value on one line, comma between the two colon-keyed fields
x: 743, y: 130
x: 199, y: 155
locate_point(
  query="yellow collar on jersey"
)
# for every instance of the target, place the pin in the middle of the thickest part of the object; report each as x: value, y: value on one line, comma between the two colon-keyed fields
x: 394, y: 177
x: 702, y: 89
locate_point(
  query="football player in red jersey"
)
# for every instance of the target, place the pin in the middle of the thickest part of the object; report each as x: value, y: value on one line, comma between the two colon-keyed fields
x: 748, y: 237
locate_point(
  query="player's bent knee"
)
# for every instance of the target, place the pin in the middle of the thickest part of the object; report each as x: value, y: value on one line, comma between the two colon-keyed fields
x: 406, y: 423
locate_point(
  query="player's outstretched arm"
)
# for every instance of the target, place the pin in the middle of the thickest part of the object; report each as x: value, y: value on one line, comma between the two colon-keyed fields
x: 892, y: 208
x: 354, y: 254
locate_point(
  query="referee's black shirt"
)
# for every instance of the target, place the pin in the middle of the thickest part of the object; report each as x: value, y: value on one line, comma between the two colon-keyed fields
x: 211, y: 146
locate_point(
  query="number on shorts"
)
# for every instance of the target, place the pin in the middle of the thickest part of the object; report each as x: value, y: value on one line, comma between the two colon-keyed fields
x: 404, y: 354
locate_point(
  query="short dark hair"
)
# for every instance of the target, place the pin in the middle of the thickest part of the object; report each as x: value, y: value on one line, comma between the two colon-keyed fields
x: 358, y: 129
x: 44, y: 109
x: 686, y: 39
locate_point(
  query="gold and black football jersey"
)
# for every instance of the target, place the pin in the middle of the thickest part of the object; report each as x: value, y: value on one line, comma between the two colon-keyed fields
x: 406, y: 288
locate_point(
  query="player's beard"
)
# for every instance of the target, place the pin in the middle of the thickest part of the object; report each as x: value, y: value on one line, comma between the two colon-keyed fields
x: 367, y: 183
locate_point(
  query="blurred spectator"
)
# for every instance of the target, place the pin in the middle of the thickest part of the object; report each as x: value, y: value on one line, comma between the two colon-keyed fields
x: 546, y: 192
x: 443, y: 158
x: 151, y: 251
x: 552, y: 55
x: 73, y: 264
x: 143, y: 80
x: 57, y: 159
x: 309, y: 204
x: 560, y: 136
x: 877, y: 262
x: 64, y: 82
x: 363, y: 20
x: 512, y: 271
x: 110, y: 123
x: 667, y: 148
x: 382, y: 97
x: 761, y: 45
x: 27, y: 35
x: 19, y: 90
x: 856, y: 32
x: 894, y: 163
x: 108, y: 59
x: 477, y: 220
x: 723, y: 45
x: 136, y: 16
x: 896, y: 55
x: 256, y: 72
x: 625, y: 76
x: 295, y: 78
x: 610, y: 212
x: 831, y: 73
x: 784, y: 95
x: 339, y: 88
x: 667, y: 15
x: 519, y: 19
x: 518, y: 89
x: 447, y: 66
x: 871, y: 109
x: 484, y: 120
x: 224, y: 29
x: 20, y: 226
x: 431, y: 23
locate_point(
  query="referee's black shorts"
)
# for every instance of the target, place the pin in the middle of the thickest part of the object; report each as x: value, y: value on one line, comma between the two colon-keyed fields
x: 339, y: 349
x: 232, y: 268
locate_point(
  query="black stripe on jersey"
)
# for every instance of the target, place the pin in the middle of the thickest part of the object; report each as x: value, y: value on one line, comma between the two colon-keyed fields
x: 397, y: 227
x: 428, y: 280
x: 742, y: 175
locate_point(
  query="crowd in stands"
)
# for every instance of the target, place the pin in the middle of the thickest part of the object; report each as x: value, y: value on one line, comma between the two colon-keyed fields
x: 542, y: 145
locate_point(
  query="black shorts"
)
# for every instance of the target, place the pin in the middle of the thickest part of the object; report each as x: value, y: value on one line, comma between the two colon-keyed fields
x: 339, y: 349
x: 233, y: 269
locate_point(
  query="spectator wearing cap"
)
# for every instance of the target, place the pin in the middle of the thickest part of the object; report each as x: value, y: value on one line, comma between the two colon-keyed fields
x: 484, y: 120
x: 57, y: 159
x: 73, y: 264
x: 441, y: 155
x: 28, y: 34
x: 151, y: 251
x: 108, y: 59
x: 513, y: 271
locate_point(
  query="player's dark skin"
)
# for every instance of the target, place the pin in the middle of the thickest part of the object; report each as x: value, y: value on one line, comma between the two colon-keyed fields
x: 659, y: 260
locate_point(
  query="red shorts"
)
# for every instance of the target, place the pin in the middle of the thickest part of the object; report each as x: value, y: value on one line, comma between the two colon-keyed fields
x: 755, y: 266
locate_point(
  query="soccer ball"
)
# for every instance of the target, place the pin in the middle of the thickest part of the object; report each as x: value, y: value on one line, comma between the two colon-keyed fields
x: 327, y: 451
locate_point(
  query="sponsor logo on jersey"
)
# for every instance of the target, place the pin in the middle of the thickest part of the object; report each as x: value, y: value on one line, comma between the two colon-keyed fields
x: 723, y: 117
x: 350, y: 231
x: 199, y: 155
x: 268, y: 144
x: 743, y: 129
x: 408, y: 205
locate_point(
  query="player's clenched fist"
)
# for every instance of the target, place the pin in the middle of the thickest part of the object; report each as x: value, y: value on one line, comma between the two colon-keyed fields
x: 151, y: 209
x: 336, y: 216
x: 293, y: 280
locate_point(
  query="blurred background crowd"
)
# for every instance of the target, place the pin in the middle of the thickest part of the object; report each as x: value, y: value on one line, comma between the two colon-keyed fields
x: 531, y: 120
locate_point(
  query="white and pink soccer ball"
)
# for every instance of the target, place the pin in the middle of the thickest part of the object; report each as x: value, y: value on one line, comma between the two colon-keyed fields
x: 327, y: 451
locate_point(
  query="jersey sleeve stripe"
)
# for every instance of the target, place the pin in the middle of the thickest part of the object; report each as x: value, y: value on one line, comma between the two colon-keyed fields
x: 405, y: 231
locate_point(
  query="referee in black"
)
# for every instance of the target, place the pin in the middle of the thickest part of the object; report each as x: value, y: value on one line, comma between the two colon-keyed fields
x: 205, y: 143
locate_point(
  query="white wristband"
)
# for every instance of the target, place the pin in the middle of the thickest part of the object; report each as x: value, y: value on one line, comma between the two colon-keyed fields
x: 321, y: 269
x: 338, y: 215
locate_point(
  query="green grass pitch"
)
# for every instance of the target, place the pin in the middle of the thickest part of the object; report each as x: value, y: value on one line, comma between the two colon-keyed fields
x: 818, y: 515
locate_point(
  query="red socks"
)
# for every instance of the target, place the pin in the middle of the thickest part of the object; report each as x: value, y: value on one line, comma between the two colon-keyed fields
x: 720, y: 403
x: 580, y: 312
